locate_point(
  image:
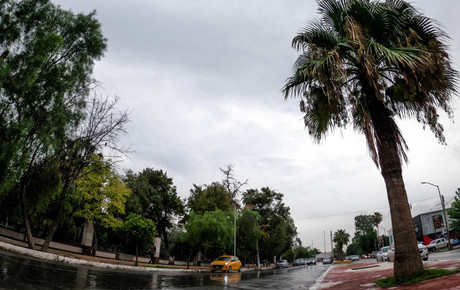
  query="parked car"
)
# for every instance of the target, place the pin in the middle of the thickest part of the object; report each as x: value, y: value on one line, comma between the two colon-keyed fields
x: 327, y: 260
x: 354, y: 257
x: 297, y: 262
x: 437, y: 244
x: 311, y: 261
x: 382, y: 255
x: 374, y: 254
x: 226, y: 263
x: 282, y: 264
x: 423, y: 250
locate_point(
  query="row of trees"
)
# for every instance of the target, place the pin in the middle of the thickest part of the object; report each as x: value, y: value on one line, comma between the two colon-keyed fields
x: 366, y: 238
x: 50, y: 126
x: 55, y: 139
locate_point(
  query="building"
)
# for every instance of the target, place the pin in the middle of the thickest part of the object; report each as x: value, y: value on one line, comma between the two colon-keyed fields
x: 430, y: 224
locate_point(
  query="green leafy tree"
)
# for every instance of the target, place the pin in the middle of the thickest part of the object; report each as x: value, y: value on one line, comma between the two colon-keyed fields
x: 209, y: 198
x: 340, y: 239
x: 249, y: 234
x: 365, y: 237
x: 277, y: 225
x: 154, y: 196
x: 364, y: 224
x: 46, y: 63
x: 352, y: 249
x: 290, y: 255
x: 137, y: 230
x: 211, y: 232
x: 306, y: 252
x: 366, y: 63
x: 454, y: 212
x: 102, y: 195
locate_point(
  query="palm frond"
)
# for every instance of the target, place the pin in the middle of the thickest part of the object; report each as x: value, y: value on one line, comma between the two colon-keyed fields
x: 314, y: 34
x: 333, y: 13
x: 411, y: 57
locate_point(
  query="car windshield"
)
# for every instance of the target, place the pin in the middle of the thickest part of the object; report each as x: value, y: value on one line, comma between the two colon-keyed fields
x: 281, y: 261
x: 385, y: 250
x: 223, y: 259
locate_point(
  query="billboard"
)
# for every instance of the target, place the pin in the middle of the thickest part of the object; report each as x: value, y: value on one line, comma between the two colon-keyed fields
x: 438, y: 221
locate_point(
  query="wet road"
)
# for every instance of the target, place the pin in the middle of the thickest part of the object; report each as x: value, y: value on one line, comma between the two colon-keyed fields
x: 23, y: 272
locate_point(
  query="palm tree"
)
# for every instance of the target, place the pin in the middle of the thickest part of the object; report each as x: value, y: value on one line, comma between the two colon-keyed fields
x: 377, y: 219
x: 341, y: 238
x: 364, y: 63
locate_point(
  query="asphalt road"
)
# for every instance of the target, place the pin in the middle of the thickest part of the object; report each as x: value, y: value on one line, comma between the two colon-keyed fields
x: 24, y: 272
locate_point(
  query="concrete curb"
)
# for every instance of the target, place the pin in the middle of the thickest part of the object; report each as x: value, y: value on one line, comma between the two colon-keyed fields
x: 80, y: 262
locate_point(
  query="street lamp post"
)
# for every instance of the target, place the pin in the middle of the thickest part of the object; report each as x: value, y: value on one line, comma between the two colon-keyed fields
x: 234, y: 233
x: 443, y: 211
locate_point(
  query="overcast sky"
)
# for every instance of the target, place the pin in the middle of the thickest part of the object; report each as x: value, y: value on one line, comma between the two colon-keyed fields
x: 203, y: 79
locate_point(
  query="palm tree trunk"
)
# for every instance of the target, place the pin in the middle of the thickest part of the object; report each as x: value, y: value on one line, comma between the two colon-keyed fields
x: 407, y: 257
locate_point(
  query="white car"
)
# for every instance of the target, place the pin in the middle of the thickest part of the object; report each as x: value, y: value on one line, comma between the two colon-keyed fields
x: 437, y: 244
x: 382, y: 255
x: 421, y: 248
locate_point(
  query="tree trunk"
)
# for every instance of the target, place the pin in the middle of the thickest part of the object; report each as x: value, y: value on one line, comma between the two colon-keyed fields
x: 257, y: 251
x: 95, y: 241
x: 407, y: 257
x: 56, y: 220
x: 166, y: 241
x: 25, y: 216
x: 137, y: 255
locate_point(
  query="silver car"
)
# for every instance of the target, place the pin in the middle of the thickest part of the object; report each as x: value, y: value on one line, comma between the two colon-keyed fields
x: 382, y: 255
x: 282, y: 264
x: 423, y: 250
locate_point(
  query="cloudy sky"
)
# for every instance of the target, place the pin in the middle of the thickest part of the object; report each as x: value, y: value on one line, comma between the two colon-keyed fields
x: 203, y: 79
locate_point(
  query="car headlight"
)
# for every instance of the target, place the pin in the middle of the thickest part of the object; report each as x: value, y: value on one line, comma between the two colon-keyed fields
x: 226, y: 263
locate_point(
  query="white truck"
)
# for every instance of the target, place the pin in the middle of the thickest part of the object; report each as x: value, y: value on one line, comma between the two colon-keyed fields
x: 437, y: 244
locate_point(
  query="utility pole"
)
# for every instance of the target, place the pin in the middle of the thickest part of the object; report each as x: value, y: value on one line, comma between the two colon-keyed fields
x: 332, y: 254
x: 444, y: 212
x: 324, y: 241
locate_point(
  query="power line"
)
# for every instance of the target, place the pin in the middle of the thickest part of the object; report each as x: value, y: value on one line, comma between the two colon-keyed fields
x: 363, y: 211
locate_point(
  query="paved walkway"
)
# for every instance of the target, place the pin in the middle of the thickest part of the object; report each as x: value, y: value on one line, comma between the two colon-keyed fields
x: 364, y: 275
x: 79, y: 259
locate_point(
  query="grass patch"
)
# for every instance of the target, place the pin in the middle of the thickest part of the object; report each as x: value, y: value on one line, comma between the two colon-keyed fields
x: 416, y: 278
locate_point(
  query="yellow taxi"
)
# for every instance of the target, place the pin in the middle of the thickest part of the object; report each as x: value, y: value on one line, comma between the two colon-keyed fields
x: 226, y: 263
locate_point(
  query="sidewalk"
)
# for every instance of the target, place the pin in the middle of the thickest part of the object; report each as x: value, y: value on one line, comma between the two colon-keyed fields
x: 79, y: 259
x: 364, y: 275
